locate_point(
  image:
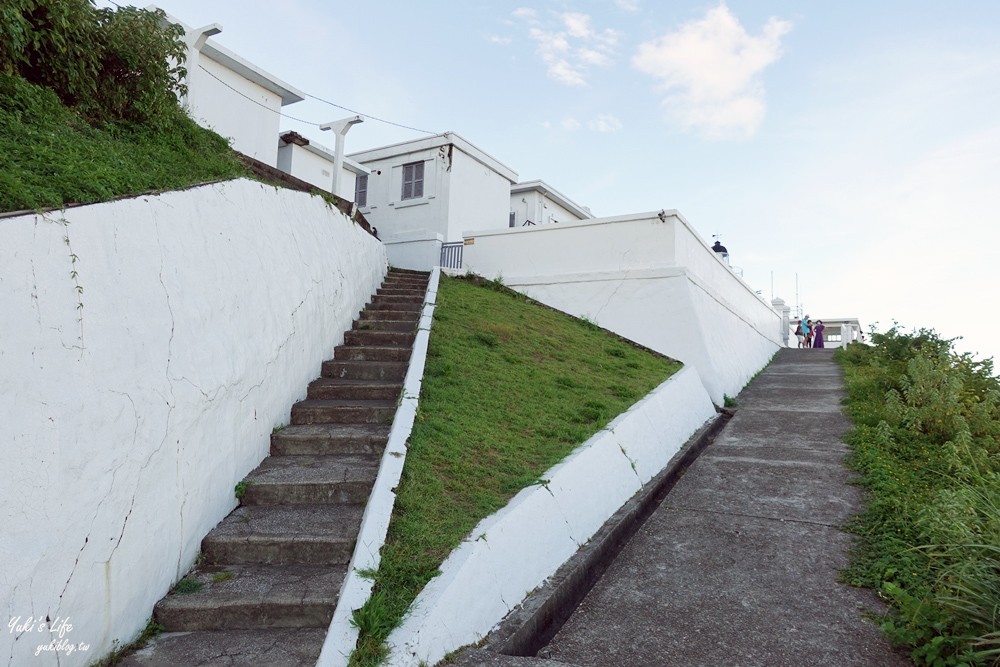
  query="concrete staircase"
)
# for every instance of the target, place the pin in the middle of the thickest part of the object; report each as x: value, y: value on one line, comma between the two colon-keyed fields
x: 266, y: 584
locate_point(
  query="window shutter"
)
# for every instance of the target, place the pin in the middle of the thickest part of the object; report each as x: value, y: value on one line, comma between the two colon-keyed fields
x: 418, y: 180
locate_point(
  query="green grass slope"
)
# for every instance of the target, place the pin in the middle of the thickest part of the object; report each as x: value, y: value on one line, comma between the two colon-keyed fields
x: 510, y: 388
x: 52, y: 157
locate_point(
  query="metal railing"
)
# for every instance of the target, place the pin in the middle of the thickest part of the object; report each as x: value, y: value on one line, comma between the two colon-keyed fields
x: 451, y: 255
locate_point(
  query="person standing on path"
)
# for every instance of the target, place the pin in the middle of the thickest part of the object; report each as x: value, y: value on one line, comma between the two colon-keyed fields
x: 809, y: 333
x: 818, y: 329
x: 800, y: 334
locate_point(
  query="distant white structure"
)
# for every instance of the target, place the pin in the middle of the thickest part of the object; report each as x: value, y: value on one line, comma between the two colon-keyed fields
x: 538, y: 203
x: 316, y: 164
x: 841, y: 331
x: 232, y: 96
x: 425, y: 192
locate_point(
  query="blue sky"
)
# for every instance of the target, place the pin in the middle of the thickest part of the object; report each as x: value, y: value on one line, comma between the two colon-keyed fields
x: 854, y: 144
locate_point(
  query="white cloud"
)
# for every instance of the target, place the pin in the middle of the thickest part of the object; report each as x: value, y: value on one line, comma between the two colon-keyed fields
x: 628, y: 5
x: 525, y: 13
x: 572, y: 47
x: 710, y: 70
x: 592, y: 57
x: 577, y: 25
x: 496, y: 39
x: 604, y: 123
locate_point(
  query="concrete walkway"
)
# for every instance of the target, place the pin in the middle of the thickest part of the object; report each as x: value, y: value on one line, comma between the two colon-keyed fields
x: 739, y: 564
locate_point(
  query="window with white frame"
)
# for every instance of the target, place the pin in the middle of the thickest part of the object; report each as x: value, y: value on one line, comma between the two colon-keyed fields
x: 361, y: 191
x: 413, y: 180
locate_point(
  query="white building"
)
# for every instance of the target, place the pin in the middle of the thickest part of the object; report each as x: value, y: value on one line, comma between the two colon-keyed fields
x: 232, y: 96
x: 538, y: 203
x: 425, y: 192
x: 314, y: 163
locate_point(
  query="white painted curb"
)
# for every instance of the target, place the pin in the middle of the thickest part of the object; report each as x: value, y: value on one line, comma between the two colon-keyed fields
x: 514, y: 551
x: 342, y: 636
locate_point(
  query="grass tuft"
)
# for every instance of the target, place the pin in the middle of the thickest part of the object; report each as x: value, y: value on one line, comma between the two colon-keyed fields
x: 187, y: 586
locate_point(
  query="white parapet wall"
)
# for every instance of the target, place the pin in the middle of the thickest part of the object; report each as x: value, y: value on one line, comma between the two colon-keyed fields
x: 648, y: 277
x: 514, y: 551
x: 149, y: 347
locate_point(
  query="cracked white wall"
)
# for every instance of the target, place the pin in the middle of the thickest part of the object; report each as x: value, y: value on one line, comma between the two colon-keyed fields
x: 650, y: 280
x: 131, y: 407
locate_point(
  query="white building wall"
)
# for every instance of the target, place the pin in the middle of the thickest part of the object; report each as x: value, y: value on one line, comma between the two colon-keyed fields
x: 424, y: 216
x: 348, y: 179
x: 251, y: 127
x: 151, y: 346
x: 654, y: 282
x: 316, y: 168
x: 478, y: 197
x: 538, y: 208
x: 310, y: 167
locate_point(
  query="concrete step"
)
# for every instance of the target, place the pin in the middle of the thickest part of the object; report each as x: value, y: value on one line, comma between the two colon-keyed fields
x: 291, y: 596
x: 382, y: 305
x: 337, y: 389
x: 330, y: 439
x: 395, y: 271
x: 285, y: 647
x: 365, y: 370
x: 396, y: 290
x: 380, y: 338
x: 343, y: 412
x: 409, y: 283
x: 393, y: 299
x: 311, y: 479
x: 371, y: 353
x: 284, y: 535
x: 398, y: 315
x: 385, y: 325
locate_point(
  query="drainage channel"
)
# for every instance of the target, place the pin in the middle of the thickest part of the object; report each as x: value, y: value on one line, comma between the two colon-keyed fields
x: 533, y: 625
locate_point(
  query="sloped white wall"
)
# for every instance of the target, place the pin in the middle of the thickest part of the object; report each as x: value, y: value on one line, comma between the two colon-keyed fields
x: 148, y: 348
x: 653, y: 281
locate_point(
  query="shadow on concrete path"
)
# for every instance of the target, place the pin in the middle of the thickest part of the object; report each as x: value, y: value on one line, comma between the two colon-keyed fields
x: 738, y: 565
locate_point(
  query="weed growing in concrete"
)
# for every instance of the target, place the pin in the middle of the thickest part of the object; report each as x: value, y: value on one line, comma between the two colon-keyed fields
x: 118, y: 654
x: 219, y: 577
x: 188, y: 585
x: 241, y: 489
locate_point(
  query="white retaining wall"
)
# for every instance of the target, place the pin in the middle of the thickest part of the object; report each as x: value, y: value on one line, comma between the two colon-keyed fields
x: 514, y: 551
x: 149, y: 346
x: 653, y: 281
x: 419, y: 251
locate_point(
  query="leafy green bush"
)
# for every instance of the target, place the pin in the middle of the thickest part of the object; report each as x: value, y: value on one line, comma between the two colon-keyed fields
x: 109, y: 65
x: 927, y: 441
